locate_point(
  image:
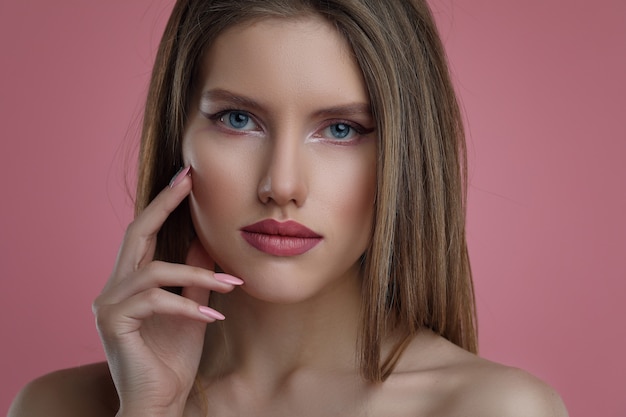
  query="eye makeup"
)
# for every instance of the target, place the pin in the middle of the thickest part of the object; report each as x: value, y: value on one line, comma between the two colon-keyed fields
x: 235, y: 114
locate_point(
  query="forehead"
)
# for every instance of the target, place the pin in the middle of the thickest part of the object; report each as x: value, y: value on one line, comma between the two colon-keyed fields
x: 285, y: 59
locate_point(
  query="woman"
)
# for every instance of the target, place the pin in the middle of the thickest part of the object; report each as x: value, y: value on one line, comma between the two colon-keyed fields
x: 321, y: 204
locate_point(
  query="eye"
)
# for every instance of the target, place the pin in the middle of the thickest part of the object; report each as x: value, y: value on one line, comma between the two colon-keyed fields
x: 339, y: 131
x: 238, y: 120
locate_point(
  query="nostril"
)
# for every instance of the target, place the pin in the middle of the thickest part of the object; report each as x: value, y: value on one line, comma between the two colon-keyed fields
x: 283, y: 179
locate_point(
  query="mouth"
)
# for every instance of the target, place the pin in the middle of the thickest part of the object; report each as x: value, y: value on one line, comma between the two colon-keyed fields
x: 280, y: 238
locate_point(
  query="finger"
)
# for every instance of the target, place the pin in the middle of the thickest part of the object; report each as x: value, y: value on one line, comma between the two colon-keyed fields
x: 198, y: 257
x: 139, y: 242
x: 158, y: 274
x: 117, y: 320
x: 198, y: 295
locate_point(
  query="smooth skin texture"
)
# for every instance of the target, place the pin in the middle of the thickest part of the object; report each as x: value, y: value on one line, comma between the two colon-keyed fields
x: 299, y: 151
x: 270, y: 148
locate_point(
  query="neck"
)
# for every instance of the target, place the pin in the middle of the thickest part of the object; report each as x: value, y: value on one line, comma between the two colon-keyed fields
x: 265, y: 341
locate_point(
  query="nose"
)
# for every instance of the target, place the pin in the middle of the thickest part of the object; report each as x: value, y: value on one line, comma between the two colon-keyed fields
x: 283, y: 180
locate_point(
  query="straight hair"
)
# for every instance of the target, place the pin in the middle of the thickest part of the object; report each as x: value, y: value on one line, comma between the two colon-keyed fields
x: 416, y: 271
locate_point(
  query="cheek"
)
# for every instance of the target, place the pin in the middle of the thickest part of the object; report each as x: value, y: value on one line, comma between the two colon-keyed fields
x: 359, y: 203
x: 220, y: 170
x: 221, y: 185
x: 215, y: 181
x: 350, y: 189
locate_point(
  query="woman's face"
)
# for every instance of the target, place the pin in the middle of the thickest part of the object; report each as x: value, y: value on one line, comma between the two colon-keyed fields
x: 282, y: 147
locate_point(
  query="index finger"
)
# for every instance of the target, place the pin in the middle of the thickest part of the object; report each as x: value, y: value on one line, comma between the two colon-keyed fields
x: 140, y: 239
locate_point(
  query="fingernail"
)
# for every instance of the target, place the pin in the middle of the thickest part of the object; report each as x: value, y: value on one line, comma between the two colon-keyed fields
x: 178, y: 177
x: 227, y: 279
x: 209, y: 312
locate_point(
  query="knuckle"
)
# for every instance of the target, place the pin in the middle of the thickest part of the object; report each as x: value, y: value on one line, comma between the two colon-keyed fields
x: 135, y: 232
x: 98, y: 304
x: 95, y: 306
x: 154, y: 265
x: 103, y: 320
x: 153, y: 295
x: 151, y: 269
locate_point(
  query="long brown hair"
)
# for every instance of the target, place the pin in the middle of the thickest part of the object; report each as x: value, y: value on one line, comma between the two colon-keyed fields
x: 416, y: 270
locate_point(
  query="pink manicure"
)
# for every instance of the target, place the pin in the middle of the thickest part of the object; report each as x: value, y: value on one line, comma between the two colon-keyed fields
x: 209, y: 312
x: 227, y: 279
x: 179, y: 176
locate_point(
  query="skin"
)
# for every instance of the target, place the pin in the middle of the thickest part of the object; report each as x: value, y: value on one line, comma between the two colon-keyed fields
x: 288, y: 343
x: 285, y: 163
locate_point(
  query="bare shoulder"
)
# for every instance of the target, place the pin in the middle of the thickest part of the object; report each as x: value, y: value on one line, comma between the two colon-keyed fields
x: 456, y: 382
x: 491, y: 389
x: 83, y: 391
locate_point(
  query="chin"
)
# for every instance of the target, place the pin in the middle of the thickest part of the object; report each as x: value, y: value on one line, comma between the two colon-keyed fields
x: 279, y: 287
x: 291, y: 280
x: 282, y: 297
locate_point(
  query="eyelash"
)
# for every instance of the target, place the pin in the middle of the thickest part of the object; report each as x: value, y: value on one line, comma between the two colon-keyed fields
x: 217, y: 118
x: 357, y: 128
x: 359, y: 131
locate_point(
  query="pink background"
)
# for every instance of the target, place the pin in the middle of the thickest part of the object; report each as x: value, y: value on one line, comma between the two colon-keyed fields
x: 543, y: 86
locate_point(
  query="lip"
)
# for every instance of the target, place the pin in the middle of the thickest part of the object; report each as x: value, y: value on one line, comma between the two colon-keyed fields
x: 276, y: 238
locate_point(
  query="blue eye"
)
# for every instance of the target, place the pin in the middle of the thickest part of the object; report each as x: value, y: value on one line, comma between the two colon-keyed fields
x: 340, y: 130
x: 238, y: 120
x: 343, y: 132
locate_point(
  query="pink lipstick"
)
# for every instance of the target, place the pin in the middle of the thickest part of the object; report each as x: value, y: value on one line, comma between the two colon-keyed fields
x: 288, y: 238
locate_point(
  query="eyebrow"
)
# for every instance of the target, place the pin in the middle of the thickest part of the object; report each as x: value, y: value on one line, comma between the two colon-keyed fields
x: 350, y: 109
x: 224, y: 95
x: 353, y: 109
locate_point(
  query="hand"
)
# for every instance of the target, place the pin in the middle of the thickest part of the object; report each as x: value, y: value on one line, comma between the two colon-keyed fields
x: 153, y: 338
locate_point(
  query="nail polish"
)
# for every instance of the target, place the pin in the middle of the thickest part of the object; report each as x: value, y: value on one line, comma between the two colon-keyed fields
x: 178, y: 177
x: 227, y: 279
x: 209, y: 312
